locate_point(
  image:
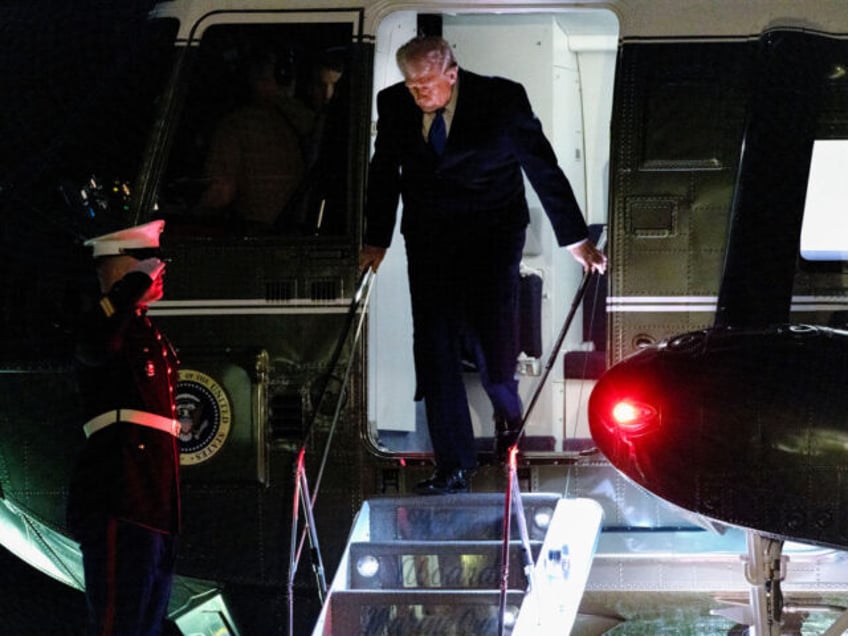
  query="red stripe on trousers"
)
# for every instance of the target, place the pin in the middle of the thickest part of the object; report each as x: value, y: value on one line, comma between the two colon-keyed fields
x: 111, y: 577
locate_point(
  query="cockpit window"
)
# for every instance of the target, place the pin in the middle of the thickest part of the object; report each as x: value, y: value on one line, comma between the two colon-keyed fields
x: 261, y: 143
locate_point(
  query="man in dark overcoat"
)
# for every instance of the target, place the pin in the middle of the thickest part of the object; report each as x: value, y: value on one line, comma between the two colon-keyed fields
x: 452, y: 144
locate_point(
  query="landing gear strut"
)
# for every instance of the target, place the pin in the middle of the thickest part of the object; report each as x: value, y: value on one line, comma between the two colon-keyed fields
x: 765, y: 568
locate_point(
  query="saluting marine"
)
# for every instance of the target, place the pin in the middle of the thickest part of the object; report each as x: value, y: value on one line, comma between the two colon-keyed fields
x: 123, y: 503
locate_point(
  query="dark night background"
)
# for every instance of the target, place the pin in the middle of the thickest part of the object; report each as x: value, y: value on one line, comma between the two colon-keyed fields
x: 34, y: 604
x: 60, y: 62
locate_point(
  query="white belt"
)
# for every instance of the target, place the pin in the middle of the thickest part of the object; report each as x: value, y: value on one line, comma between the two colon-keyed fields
x: 142, y: 418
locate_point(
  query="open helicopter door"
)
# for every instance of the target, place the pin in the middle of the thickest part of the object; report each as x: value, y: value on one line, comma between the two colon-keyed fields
x: 566, y: 61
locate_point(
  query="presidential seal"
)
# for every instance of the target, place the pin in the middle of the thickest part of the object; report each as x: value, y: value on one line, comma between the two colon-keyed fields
x: 205, y: 416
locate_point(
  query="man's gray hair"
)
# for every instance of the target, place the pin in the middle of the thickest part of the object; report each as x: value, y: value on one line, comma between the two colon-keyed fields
x: 432, y: 50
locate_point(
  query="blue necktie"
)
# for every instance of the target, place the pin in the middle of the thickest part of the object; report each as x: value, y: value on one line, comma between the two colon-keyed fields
x: 438, y: 137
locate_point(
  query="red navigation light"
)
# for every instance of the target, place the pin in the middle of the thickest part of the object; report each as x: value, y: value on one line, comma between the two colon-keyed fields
x: 632, y: 416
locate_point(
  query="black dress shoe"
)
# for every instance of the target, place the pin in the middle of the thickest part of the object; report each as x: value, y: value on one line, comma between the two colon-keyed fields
x: 504, y: 440
x: 444, y: 482
x: 506, y: 435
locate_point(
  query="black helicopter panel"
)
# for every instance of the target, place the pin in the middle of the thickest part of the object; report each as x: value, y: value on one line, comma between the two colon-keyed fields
x: 743, y: 422
x: 745, y: 427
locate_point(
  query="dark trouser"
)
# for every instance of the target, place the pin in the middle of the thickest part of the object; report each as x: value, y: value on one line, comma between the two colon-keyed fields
x: 128, y: 575
x: 464, y: 302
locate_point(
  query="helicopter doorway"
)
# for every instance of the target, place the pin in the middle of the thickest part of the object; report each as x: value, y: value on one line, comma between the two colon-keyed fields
x: 566, y: 62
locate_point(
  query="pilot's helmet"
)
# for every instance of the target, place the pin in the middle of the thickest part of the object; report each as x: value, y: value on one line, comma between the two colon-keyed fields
x: 141, y: 241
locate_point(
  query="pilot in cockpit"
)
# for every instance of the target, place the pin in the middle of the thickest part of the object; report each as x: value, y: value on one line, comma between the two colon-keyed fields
x: 265, y: 162
x: 255, y: 162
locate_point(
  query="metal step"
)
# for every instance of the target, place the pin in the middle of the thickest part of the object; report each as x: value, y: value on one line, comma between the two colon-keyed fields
x: 464, y: 517
x: 443, y: 565
x: 432, y: 565
x: 447, y: 613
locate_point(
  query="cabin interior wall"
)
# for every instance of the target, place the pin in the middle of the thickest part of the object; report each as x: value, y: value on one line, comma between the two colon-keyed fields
x: 391, y: 377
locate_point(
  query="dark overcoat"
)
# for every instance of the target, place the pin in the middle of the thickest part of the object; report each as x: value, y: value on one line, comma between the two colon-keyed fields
x: 466, y: 207
x: 126, y: 471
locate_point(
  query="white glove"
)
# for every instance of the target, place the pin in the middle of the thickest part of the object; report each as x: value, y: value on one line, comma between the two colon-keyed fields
x: 153, y: 267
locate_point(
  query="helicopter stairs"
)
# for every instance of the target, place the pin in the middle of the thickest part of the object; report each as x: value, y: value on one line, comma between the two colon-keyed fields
x: 432, y: 565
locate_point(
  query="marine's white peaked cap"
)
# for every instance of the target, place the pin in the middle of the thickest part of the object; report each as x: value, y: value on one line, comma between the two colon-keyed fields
x: 137, y: 237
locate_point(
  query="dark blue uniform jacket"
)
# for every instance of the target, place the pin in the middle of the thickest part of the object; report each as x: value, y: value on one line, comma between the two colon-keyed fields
x: 126, y: 470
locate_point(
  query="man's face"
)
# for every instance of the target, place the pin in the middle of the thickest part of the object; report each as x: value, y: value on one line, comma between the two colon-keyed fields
x: 429, y: 85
